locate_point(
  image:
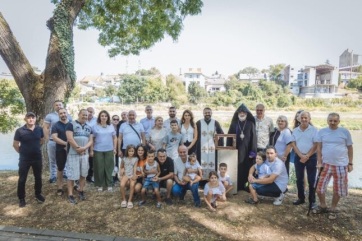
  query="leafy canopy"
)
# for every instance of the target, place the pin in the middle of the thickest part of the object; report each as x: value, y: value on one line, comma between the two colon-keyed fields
x: 128, y: 26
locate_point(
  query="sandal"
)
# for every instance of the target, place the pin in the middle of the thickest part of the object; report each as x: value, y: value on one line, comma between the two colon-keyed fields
x: 123, y: 204
x: 213, y: 204
x: 320, y: 210
x: 332, y: 214
x: 251, y: 201
x: 130, y: 205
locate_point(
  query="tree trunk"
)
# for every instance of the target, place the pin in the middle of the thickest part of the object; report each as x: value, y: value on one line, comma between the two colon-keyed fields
x: 58, y: 78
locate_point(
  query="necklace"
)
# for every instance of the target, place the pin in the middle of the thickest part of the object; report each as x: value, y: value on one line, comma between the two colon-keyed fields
x: 242, y: 130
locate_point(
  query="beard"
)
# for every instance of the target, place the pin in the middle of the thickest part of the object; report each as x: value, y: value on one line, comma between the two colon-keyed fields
x: 242, y: 118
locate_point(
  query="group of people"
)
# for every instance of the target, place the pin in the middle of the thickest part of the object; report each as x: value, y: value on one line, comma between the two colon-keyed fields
x: 177, y: 154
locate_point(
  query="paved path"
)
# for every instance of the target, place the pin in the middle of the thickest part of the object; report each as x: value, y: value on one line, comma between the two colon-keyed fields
x: 10, y: 233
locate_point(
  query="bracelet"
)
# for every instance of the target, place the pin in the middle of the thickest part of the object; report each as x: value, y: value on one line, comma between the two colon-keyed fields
x: 351, y: 164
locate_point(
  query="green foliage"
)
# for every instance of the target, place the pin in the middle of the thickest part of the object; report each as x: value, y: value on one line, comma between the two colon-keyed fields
x: 11, y: 104
x: 110, y: 90
x: 283, y: 101
x: 274, y: 71
x: 355, y: 83
x: 176, y: 90
x: 155, y: 91
x: 75, y: 94
x: 149, y: 72
x: 130, y: 26
x: 131, y: 89
x: 63, y: 29
x: 196, y: 92
x: 250, y: 71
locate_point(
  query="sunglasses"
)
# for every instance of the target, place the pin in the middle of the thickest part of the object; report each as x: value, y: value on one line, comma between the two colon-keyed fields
x: 116, y: 119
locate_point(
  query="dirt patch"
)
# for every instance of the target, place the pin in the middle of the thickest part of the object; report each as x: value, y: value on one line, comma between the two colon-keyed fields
x: 234, y: 220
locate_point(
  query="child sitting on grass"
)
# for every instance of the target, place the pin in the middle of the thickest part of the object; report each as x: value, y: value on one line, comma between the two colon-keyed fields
x: 214, y: 191
x: 151, y: 172
x: 260, y: 170
x: 224, y: 177
x: 193, y: 172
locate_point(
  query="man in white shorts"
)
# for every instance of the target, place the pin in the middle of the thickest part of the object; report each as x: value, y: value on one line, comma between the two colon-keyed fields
x: 80, y: 138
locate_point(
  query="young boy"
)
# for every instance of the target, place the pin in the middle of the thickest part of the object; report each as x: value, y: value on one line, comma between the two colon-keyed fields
x: 193, y: 172
x: 151, y: 172
x: 224, y: 177
x: 172, y: 140
x: 260, y: 170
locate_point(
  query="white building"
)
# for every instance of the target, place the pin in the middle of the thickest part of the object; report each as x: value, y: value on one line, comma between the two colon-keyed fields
x: 289, y: 75
x: 349, y: 66
x: 215, y: 83
x: 193, y: 75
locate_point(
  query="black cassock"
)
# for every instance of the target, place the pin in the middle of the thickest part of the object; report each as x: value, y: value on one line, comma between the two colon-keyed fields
x: 245, y: 143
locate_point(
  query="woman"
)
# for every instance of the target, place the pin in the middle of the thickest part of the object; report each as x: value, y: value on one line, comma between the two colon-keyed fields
x: 189, y: 131
x: 103, y: 151
x: 156, y: 135
x: 115, y: 122
x: 282, y: 139
x: 141, y: 153
x: 243, y: 125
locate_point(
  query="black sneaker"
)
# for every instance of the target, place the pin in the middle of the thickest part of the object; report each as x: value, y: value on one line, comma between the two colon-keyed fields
x: 72, y: 200
x: 22, y: 203
x: 168, y: 201
x: 75, y: 188
x: 39, y: 198
x: 82, y: 195
x: 52, y: 180
x: 298, y: 202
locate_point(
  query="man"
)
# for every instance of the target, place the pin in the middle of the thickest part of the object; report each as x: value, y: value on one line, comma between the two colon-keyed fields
x: 124, y: 116
x: 27, y: 142
x: 149, y: 121
x: 91, y: 121
x: 304, y: 145
x: 166, y: 176
x: 172, y: 114
x: 180, y: 187
x: 80, y: 138
x: 275, y: 184
x: 205, y: 145
x: 49, y: 121
x: 130, y: 133
x: 60, y: 138
x: 264, y: 126
x: 243, y: 126
x: 335, y: 153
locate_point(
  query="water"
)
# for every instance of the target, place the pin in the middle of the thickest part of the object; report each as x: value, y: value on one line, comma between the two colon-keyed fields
x: 9, y: 157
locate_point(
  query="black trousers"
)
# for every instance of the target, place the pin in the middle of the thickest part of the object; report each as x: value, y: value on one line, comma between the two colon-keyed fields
x: 24, y: 167
x: 90, y: 170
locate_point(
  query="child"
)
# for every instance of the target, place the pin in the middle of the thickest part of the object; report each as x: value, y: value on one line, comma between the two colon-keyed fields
x: 193, y: 172
x: 224, y: 177
x: 214, y: 191
x: 128, y: 175
x: 151, y: 172
x: 261, y: 171
x: 172, y: 140
x: 142, y: 157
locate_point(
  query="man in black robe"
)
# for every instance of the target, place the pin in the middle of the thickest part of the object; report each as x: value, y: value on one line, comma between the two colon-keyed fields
x: 243, y: 125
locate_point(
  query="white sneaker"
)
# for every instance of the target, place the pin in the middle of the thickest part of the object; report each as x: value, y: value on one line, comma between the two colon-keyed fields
x: 110, y: 189
x: 279, y: 200
x: 100, y: 189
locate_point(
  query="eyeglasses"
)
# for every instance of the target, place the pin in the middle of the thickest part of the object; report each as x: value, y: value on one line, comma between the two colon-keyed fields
x: 116, y: 119
x: 259, y: 110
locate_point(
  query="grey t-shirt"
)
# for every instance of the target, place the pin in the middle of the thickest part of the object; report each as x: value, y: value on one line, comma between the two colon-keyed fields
x: 81, y: 134
x: 278, y: 167
x: 172, y: 141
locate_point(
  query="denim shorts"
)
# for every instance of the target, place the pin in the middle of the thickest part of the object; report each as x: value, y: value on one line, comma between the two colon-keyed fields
x: 149, y: 183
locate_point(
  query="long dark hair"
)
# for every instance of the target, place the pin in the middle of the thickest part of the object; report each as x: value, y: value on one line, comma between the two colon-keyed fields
x: 144, y: 151
x: 191, y: 118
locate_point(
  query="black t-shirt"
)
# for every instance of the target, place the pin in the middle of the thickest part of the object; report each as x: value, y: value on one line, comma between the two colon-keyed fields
x: 29, y: 143
x: 166, y: 167
x: 60, y: 129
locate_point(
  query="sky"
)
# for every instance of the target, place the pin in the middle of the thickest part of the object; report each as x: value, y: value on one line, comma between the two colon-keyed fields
x: 227, y: 36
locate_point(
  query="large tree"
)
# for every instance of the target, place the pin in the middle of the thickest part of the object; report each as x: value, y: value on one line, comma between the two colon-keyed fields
x: 126, y: 27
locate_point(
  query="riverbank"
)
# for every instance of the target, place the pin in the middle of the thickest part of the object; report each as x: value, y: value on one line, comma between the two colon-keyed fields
x: 234, y: 220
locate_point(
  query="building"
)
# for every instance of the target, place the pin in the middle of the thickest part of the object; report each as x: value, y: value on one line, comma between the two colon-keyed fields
x: 318, y: 82
x: 193, y: 75
x: 349, y: 66
x: 289, y: 75
x: 215, y: 83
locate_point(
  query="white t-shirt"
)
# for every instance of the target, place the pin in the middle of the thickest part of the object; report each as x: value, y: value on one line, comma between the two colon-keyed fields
x: 219, y: 190
x: 193, y: 167
x: 334, y: 145
x: 103, y: 137
x: 304, y: 140
x: 283, y: 140
x: 225, y: 178
x: 277, y: 167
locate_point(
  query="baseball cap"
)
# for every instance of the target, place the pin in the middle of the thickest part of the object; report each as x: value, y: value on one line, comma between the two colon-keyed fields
x: 30, y: 114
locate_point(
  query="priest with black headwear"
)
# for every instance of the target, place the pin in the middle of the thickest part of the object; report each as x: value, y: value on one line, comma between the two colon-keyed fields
x: 243, y: 125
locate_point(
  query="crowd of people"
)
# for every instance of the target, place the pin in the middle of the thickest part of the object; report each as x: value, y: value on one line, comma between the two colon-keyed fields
x: 178, y: 154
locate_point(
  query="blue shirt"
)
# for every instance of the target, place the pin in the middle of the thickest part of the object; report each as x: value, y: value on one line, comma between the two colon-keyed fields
x: 29, y: 143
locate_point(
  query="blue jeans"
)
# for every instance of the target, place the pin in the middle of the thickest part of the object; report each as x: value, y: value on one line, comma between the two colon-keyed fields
x: 180, y: 191
x: 311, y: 166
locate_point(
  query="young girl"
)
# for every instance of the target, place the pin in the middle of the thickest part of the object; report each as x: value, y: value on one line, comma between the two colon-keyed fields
x: 261, y: 170
x: 214, y: 191
x: 128, y: 175
x: 142, y: 157
x: 193, y: 172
